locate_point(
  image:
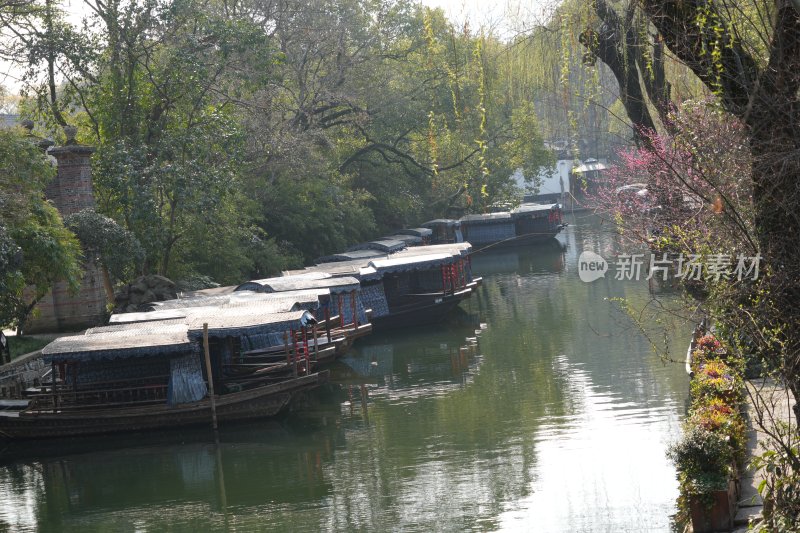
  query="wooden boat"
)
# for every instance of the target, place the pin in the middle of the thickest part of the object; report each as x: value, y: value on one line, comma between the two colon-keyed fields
x: 416, y: 285
x: 260, y: 402
x: 415, y: 289
x: 420, y: 308
x: 445, y: 231
x: 341, y: 313
x: 324, y: 299
x: 528, y: 223
x: 143, y: 376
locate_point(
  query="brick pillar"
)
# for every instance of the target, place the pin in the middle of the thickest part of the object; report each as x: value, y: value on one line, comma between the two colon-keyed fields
x: 71, y: 191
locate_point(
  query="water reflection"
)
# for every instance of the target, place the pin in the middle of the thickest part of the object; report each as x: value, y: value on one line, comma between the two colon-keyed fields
x: 400, y: 367
x: 539, y: 407
x: 547, y: 257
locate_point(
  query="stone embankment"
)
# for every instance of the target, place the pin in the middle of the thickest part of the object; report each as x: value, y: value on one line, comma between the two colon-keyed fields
x: 20, y: 374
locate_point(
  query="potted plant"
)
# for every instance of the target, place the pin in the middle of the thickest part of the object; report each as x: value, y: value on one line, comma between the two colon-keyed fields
x: 706, y: 466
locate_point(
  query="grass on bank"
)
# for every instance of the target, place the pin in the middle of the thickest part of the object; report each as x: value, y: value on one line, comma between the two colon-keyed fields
x: 22, y: 345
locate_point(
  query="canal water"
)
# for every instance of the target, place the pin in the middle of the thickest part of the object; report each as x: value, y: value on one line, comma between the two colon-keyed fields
x: 539, y: 406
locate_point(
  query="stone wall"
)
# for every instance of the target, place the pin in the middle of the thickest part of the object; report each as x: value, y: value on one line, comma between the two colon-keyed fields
x: 72, y: 190
x: 21, y: 374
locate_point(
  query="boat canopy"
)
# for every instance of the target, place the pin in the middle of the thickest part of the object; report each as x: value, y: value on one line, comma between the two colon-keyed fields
x: 147, y: 316
x: 454, y: 248
x: 448, y: 222
x: 530, y: 209
x: 487, y: 218
x: 228, y: 322
x: 236, y: 298
x: 293, y: 283
x: 302, y: 276
x: 285, y: 301
x: 407, y: 264
x: 117, y: 342
x: 386, y: 245
x: 350, y: 256
x: 213, y: 291
x: 342, y: 268
x: 410, y: 240
x: 365, y: 269
x: 417, y: 232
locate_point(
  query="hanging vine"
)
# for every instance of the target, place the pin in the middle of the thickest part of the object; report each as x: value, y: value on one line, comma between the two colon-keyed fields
x: 481, y: 140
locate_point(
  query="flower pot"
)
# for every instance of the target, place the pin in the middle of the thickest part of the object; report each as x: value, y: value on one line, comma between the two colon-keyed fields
x: 715, y: 511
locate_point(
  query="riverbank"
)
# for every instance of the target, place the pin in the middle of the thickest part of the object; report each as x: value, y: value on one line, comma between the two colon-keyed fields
x: 26, y: 367
x: 769, y: 405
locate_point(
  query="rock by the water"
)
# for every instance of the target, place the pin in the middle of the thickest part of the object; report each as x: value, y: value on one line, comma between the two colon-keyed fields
x: 136, y: 295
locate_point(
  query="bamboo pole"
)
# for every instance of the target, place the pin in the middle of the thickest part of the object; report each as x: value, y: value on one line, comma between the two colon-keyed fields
x: 223, y: 495
x: 210, y: 378
x: 364, y: 403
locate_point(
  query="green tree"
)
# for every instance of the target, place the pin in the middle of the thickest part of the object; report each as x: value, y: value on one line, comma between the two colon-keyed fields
x: 108, y: 244
x: 36, y: 250
x: 155, y: 84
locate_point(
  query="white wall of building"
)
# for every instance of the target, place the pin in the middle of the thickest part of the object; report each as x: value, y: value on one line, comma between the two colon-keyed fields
x: 550, y: 177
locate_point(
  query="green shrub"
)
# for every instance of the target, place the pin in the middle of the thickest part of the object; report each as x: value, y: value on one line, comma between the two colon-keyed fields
x: 703, y: 458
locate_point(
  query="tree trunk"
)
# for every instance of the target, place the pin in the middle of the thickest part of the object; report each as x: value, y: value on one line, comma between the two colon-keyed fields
x: 614, y: 43
x: 766, y: 100
x: 109, y: 287
x: 776, y: 174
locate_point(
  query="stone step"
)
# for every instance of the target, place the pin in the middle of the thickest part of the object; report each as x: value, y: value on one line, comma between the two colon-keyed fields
x: 746, y: 514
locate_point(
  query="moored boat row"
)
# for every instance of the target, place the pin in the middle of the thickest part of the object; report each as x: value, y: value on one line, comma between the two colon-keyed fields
x: 244, y: 351
x: 528, y: 223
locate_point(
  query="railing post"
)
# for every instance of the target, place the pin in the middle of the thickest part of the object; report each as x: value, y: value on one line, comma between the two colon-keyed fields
x: 53, y: 376
x: 353, y: 308
x: 294, y: 347
x: 328, y: 321
x: 316, y: 343
x: 305, y: 349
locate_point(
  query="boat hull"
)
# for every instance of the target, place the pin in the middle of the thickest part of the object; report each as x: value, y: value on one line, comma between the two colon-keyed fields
x: 261, y: 402
x: 428, y: 309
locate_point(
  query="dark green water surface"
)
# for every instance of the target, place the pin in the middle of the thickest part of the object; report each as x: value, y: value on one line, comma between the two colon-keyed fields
x: 539, y: 406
